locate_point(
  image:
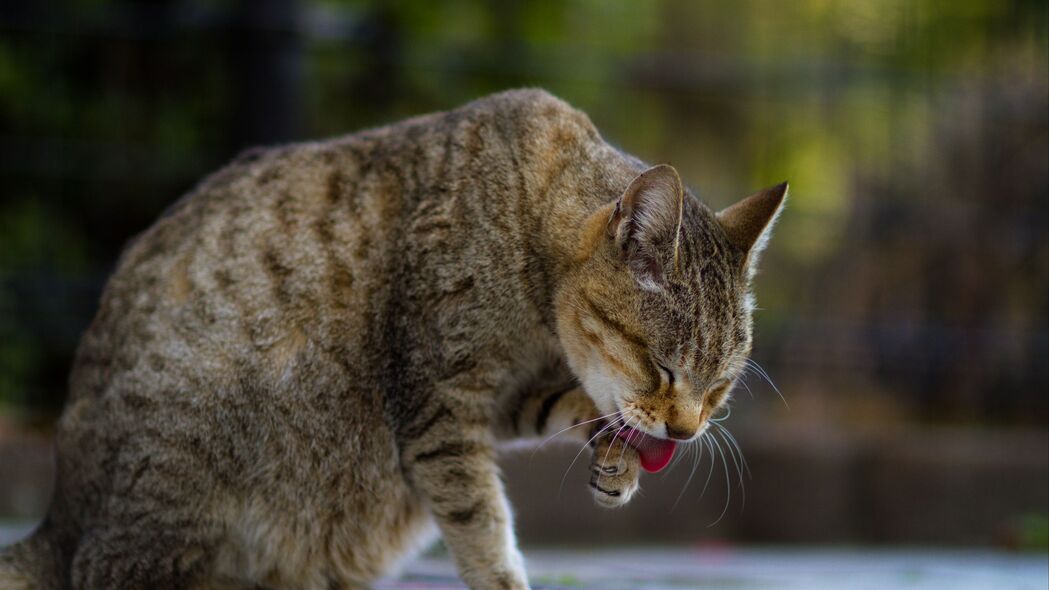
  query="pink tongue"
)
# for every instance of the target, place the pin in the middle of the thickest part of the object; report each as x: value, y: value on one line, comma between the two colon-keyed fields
x: 655, y: 452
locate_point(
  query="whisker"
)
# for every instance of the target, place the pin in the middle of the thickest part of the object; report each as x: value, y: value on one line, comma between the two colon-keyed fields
x: 728, y: 484
x: 675, y: 460
x: 686, y: 449
x: 615, y: 436
x: 551, y: 437
x: 622, y: 451
x: 726, y: 432
x: 739, y: 472
x: 581, y: 449
x: 732, y: 454
x: 744, y: 383
x: 710, y: 472
x: 695, y: 464
x: 761, y: 371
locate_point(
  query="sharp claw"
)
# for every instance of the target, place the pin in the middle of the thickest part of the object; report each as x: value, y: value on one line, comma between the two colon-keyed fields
x: 613, y: 493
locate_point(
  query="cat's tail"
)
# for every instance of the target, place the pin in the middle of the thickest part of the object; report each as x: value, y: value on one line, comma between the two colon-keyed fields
x: 34, y: 563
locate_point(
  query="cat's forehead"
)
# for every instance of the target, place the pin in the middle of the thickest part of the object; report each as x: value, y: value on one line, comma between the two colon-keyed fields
x: 700, y: 321
x: 703, y: 320
x: 690, y: 324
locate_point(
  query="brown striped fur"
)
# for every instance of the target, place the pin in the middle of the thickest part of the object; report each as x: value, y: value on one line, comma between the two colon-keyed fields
x: 308, y: 361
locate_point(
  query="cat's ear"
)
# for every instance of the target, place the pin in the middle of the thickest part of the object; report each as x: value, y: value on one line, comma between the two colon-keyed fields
x: 749, y: 222
x: 646, y: 224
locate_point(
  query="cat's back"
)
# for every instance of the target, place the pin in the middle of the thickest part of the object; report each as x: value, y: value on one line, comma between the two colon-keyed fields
x: 267, y: 316
x: 296, y: 246
x: 236, y: 266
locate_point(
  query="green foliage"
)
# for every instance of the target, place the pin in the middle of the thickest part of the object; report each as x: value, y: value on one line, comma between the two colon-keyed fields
x: 34, y: 236
x: 1034, y: 532
x: 873, y: 108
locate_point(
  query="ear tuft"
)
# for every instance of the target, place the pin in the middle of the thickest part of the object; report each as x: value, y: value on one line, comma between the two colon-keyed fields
x: 647, y: 221
x: 749, y: 222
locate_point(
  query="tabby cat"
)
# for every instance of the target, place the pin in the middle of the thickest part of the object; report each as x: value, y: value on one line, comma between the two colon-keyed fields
x: 302, y: 371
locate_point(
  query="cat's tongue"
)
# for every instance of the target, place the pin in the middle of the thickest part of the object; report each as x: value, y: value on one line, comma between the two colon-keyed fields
x: 655, y: 452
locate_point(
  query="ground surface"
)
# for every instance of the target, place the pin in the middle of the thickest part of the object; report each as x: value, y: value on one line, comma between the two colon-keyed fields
x: 729, y: 568
x: 758, y: 569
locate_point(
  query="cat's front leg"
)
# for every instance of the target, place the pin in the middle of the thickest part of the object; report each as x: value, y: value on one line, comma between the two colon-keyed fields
x: 568, y: 413
x: 563, y: 413
x: 450, y: 460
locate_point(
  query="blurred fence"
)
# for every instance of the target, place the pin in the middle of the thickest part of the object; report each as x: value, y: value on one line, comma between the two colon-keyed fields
x: 907, y: 282
x: 904, y: 300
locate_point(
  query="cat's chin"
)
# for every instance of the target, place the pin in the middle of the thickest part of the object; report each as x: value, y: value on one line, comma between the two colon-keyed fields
x: 655, y: 453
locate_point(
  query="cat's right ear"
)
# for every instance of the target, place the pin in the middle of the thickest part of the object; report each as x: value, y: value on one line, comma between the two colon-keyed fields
x: 646, y: 224
x: 748, y: 223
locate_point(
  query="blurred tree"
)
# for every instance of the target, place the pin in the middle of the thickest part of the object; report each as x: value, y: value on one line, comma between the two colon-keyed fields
x: 912, y: 264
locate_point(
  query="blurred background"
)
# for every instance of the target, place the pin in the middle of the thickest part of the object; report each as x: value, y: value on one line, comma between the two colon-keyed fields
x: 904, y: 299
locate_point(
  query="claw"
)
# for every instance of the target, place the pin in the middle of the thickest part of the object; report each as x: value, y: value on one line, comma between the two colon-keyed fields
x: 613, y: 493
x: 614, y: 472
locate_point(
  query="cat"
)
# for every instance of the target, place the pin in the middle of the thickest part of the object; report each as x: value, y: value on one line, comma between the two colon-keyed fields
x: 301, y: 372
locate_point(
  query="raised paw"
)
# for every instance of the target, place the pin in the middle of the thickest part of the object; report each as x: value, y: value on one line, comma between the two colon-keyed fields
x: 614, y: 471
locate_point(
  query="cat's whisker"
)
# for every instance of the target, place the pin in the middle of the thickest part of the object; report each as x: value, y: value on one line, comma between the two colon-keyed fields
x: 761, y: 371
x: 581, y: 449
x: 604, y: 461
x: 622, y: 452
x: 739, y: 471
x: 560, y: 432
x: 744, y: 383
x: 710, y: 472
x: 691, y: 450
x: 728, y: 484
x: 730, y: 453
x: 695, y: 465
x: 739, y: 449
x: 625, y: 425
x: 676, y: 459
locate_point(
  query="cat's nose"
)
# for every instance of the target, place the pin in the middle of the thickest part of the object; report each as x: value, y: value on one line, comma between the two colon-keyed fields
x: 677, y: 432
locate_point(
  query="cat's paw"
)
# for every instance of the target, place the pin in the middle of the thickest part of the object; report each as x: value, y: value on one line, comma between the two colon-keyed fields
x: 614, y: 471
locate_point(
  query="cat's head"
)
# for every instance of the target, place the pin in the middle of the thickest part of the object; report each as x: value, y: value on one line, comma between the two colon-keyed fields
x: 657, y: 321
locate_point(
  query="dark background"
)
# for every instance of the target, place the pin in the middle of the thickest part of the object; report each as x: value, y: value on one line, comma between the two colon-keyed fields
x: 904, y: 298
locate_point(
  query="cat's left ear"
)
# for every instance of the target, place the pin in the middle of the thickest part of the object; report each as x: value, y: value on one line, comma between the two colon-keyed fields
x: 646, y: 224
x: 748, y: 223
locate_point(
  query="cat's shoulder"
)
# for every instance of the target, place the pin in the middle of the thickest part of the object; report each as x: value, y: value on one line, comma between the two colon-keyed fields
x: 528, y: 109
x: 520, y: 100
x: 535, y: 116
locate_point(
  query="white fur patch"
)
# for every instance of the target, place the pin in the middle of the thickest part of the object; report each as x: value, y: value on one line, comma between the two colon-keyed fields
x: 604, y: 385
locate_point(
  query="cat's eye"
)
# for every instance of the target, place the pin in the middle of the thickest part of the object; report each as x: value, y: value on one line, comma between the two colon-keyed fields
x: 670, y: 374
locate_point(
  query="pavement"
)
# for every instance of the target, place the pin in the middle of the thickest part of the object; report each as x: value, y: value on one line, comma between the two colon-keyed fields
x: 757, y: 569
x: 727, y: 567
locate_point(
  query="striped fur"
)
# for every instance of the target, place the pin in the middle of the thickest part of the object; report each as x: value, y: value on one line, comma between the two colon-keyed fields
x: 307, y: 362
